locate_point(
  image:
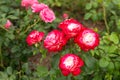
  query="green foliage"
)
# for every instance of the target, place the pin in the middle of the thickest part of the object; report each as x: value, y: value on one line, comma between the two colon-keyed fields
x: 107, y: 11
x: 101, y: 63
x: 93, y: 11
x: 114, y: 38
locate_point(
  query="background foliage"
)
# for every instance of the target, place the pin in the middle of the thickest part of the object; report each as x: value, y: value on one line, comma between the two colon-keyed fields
x: 19, y: 61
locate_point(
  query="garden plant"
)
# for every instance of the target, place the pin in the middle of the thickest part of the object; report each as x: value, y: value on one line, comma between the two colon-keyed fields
x: 59, y: 40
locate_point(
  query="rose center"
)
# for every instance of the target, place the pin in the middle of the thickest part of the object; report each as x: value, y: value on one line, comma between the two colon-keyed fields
x: 69, y: 62
x: 89, y: 39
x: 72, y: 26
x: 51, y: 38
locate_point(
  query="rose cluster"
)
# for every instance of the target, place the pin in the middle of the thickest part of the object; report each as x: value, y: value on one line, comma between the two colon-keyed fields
x: 45, y: 13
x: 55, y: 40
x: 86, y: 38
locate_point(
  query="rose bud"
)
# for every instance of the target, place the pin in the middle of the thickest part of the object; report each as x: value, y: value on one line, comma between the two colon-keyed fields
x: 8, y: 24
x: 65, y: 16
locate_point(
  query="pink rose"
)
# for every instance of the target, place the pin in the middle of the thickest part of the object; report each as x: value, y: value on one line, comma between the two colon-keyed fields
x: 70, y: 63
x: 28, y: 3
x: 54, y: 41
x: 70, y: 27
x: 38, y: 7
x: 8, y: 24
x: 34, y: 37
x: 47, y: 15
x: 87, y: 39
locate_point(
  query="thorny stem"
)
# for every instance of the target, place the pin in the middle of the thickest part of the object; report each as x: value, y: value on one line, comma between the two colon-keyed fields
x: 104, y: 17
x: 31, y: 26
x: 1, y: 59
x: 19, y: 73
x: 3, y: 28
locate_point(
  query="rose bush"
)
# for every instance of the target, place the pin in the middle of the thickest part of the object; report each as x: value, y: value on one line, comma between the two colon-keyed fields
x: 48, y: 40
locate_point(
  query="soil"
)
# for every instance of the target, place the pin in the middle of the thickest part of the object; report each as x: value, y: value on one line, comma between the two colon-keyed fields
x: 37, y: 59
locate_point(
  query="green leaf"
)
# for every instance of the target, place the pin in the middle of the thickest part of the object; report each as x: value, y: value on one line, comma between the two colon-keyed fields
x: 118, y: 24
x: 9, y: 70
x: 112, y: 49
x: 87, y: 16
x: 108, y: 76
x: 95, y: 5
x: 113, y: 55
x: 114, y: 38
x: 24, y: 77
x: 3, y: 76
x: 111, y: 66
x: 88, y: 6
x: 12, y: 17
x: 103, y: 62
x: 10, y: 35
x: 97, y: 77
x: 117, y: 58
x: 100, y: 1
x: 58, y: 3
x: 25, y: 68
x: 12, y: 77
x: 42, y: 71
x: 89, y: 61
x: 15, y: 48
x: 94, y: 16
x: 29, y: 12
x: 92, y: 52
x: 117, y: 65
x: 4, y: 8
x: 61, y: 78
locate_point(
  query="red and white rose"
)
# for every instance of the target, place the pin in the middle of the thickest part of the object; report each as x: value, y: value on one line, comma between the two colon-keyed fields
x: 87, y: 39
x: 70, y: 27
x: 54, y: 41
x: 70, y: 63
x: 34, y: 37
